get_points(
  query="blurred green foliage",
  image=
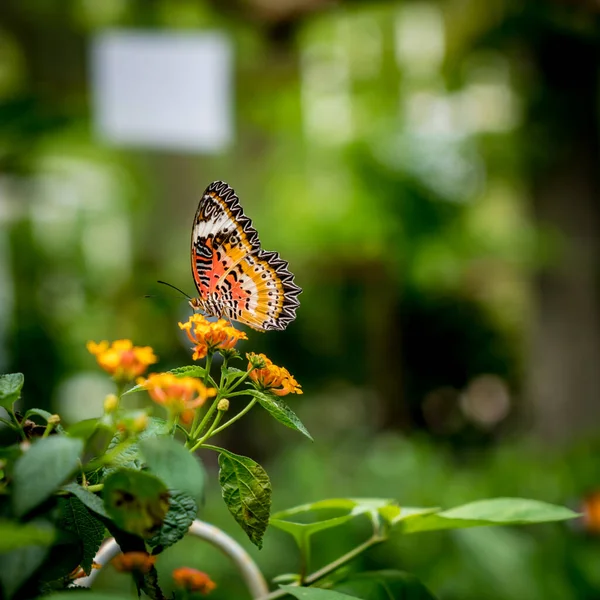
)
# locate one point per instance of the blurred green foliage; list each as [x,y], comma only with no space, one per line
[390,152]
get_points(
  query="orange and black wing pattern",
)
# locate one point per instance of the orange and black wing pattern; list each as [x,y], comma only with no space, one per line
[235,278]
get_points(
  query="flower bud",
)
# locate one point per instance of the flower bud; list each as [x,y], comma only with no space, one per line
[223,405]
[53,420]
[256,361]
[140,423]
[111,403]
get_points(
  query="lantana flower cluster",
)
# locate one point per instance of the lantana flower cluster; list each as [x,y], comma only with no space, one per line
[211,336]
[182,396]
[195,404]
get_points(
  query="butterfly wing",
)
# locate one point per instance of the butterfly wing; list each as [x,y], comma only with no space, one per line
[234,277]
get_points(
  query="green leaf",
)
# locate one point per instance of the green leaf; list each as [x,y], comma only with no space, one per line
[230,373]
[76,518]
[497,511]
[247,493]
[96,435]
[43,469]
[307,593]
[130,457]
[93,502]
[189,371]
[393,514]
[174,465]
[137,502]
[291,520]
[18,566]
[278,409]
[385,585]
[10,389]
[301,532]
[16,535]
[38,412]
[181,514]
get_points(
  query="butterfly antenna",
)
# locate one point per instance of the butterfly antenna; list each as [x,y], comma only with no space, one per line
[175,288]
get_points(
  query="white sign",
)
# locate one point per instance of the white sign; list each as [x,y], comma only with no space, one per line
[160,90]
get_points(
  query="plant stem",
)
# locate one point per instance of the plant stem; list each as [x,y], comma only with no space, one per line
[18,424]
[237,383]
[209,432]
[9,424]
[48,430]
[192,436]
[196,434]
[95,488]
[234,419]
[332,566]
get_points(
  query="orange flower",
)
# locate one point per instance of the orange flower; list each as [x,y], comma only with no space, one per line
[591,512]
[193,580]
[122,359]
[140,562]
[210,336]
[277,380]
[181,396]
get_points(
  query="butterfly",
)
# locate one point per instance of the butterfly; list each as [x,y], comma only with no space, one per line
[235,278]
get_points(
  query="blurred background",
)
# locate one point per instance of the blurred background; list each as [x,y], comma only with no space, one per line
[431,172]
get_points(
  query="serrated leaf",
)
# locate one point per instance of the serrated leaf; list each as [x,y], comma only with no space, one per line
[11,385]
[75,517]
[130,457]
[43,469]
[230,373]
[173,464]
[137,502]
[93,502]
[181,514]
[385,585]
[189,371]
[246,491]
[16,535]
[308,593]
[278,409]
[496,511]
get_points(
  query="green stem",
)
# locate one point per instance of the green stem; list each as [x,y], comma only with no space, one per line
[17,423]
[209,432]
[376,538]
[234,419]
[194,426]
[332,566]
[95,488]
[238,382]
[9,424]
[174,426]
[209,413]
[48,430]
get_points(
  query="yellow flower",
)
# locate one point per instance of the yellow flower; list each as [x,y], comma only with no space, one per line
[193,580]
[277,380]
[134,562]
[210,336]
[181,396]
[122,359]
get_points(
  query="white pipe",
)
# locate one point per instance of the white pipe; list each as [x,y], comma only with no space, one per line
[250,572]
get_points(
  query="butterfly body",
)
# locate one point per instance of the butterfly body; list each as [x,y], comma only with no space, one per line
[235,278]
